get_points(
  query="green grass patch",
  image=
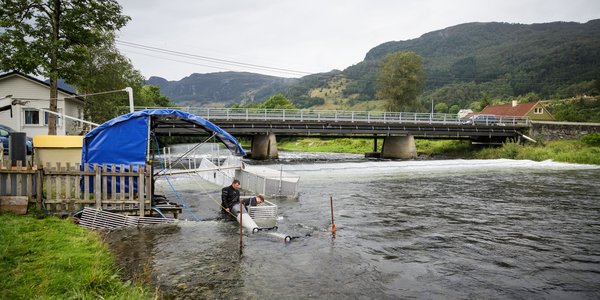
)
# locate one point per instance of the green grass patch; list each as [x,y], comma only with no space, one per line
[343,145]
[582,151]
[571,151]
[445,148]
[52,258]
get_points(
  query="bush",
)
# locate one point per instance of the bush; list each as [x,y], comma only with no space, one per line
[592,139]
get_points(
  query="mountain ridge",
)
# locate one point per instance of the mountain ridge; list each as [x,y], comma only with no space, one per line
[462,63]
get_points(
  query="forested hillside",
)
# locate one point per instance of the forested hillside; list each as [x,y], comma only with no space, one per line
[466,66]
[220,88]
[486,61]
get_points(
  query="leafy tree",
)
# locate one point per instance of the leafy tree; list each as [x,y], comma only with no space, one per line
[400,80]
[150,96]
[476,106]
[52,38]
[105,69]
[579,110]
[108,70]
[454,109]
[278,101]
[441,107]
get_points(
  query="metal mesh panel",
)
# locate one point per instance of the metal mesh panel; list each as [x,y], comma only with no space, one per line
[94,219]
[269,186]
[264,215]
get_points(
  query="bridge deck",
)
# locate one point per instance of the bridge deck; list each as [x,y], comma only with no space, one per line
[298,122]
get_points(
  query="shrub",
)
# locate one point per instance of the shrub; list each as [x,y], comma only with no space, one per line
[592,139]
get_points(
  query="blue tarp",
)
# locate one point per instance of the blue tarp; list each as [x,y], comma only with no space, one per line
[124,139]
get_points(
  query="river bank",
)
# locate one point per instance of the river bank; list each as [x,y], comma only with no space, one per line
[582,151]
[52,258]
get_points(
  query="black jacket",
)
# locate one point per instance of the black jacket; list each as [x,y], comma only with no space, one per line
[250,202]
[229,197]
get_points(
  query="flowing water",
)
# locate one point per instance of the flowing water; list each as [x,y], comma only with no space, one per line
[449,229]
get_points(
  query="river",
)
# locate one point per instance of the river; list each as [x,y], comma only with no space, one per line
[445,229]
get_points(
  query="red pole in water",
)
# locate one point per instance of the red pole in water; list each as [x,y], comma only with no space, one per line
[332,223]
[241,227]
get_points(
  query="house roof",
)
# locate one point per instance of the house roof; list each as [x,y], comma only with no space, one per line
[67,89]
[508,109]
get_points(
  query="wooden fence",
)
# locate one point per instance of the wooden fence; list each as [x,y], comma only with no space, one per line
[67,188]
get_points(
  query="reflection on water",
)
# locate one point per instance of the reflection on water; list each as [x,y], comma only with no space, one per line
[419,229]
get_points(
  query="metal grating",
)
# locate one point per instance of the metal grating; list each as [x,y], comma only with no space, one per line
[99,219]
[264,215]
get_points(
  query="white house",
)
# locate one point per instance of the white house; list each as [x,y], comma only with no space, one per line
[34,93]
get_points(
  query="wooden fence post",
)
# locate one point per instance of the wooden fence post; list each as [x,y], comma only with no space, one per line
[38,187]
[98,186]
[141,187]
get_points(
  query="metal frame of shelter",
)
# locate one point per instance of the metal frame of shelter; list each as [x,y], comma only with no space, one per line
[125,142]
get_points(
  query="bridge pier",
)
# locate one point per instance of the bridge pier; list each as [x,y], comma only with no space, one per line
[264,146]
[402,147]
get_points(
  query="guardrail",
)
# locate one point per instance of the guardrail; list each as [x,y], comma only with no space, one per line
[307,115]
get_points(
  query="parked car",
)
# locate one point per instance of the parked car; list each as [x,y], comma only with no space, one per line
[5,132]
[482,120]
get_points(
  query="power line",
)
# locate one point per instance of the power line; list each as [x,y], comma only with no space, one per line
[209,59]
[180,61]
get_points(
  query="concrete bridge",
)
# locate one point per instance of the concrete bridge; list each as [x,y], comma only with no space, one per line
[397,129]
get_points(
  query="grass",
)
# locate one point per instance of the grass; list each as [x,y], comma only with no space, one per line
[52,258]
[571,151]
[344,145]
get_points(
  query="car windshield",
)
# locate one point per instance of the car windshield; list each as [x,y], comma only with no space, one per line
[3,127]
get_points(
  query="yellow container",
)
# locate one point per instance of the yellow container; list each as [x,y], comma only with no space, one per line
[57,148]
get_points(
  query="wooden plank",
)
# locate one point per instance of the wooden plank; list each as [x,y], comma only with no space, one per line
[58,182]
[16,204]
[97,186]
[39,189]
[104,182]
[86,183]
[122,183]
[29,184]
[141,188]
[131,181]
[113,183]
[77,183]
[19,179]
[8,182]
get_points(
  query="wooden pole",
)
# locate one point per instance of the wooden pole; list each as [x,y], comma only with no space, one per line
[241,227]
[332,223]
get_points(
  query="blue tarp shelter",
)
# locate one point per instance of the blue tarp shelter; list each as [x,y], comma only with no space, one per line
[126,139]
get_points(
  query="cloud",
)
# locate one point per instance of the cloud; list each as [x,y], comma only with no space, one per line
[308,36]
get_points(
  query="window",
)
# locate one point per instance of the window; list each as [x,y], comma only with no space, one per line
[538,110]
[32,117]
[58,118]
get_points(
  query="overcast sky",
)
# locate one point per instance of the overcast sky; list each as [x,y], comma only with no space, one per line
[293,38]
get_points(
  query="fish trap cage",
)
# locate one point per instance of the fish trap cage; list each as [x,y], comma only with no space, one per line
[264,215]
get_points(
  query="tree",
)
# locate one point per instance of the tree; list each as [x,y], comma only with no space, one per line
[52,38]
[150,96]
[278,101]
[454,109]
[400,80]
[105,69]
[441,107]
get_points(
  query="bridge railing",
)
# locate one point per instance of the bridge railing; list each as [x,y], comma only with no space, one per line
[262,114]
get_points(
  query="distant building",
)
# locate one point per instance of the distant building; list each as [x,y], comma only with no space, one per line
[463,113]
[35,94]
[534,110]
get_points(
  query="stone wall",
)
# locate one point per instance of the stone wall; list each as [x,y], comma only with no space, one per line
[550,131]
